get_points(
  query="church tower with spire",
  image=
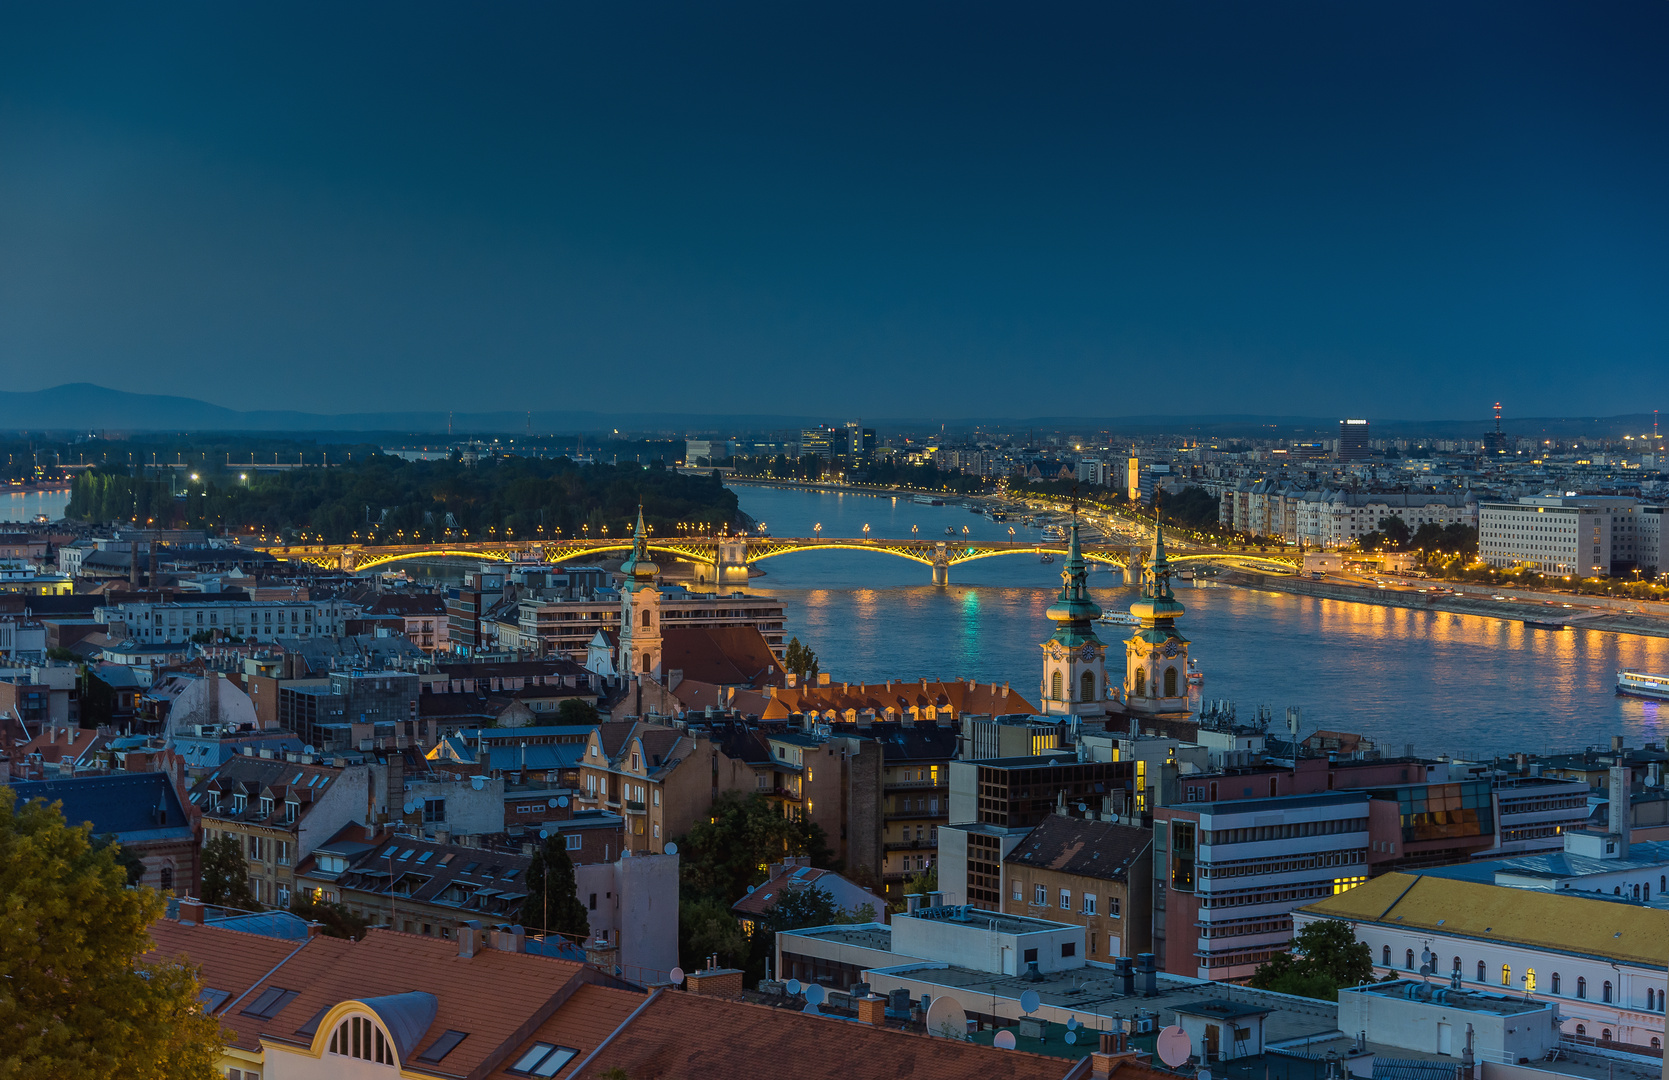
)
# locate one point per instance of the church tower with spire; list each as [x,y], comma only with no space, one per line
[640,610]
[1156,655]
[1074,659]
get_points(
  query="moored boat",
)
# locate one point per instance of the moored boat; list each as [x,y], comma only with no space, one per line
[1643,684]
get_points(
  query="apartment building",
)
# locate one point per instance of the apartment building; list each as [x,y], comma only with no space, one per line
[1332,518]
[1087,872]
[178,621]
[1228,875]
[279,810]
[565,627]
[995,803]
[1582,535]
[660,779]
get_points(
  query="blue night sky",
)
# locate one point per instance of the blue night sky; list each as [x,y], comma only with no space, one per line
[950,210]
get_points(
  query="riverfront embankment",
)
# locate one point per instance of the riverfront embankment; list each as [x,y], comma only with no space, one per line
[1646,618]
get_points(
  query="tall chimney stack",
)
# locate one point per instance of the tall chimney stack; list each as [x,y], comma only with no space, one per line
[1618,810]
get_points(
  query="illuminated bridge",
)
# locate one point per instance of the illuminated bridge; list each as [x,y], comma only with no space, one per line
[725,560]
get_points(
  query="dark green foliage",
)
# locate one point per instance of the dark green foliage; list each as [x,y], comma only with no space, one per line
[577,711]
[126,859]
[385,499]
[1451,539]
[800,660]
[336,919]
[1194,508]
[226,875]
[553,905]
[1325,956]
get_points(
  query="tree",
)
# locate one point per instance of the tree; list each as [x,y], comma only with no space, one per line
[130,863]
[226,875]
[553,904]
[1325,955]
[922,881]
[79,998]
[1395,530]
[337,920]
[801,661]
[795,909]
[577,711]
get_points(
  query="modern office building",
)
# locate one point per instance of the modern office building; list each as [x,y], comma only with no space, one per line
[1353,441]
[1581,535]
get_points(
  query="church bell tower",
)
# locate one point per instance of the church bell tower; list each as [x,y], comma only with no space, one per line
[640,610]
[1074,659]
[1156,655]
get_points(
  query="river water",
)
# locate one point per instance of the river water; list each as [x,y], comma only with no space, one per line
[24,505]
[1461,684]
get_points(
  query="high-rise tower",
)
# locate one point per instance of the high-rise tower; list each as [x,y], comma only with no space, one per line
[1074,659]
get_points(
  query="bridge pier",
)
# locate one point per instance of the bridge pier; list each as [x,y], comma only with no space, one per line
[941,565]
[732,566]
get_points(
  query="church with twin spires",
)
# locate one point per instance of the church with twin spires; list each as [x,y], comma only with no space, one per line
[1075,659]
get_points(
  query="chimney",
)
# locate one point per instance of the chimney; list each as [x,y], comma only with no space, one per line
[1619,810]
[1150,979]
[1616,744]
[191,912]
[510,939]
[1114,1046]
[912,903]
[723,982]
[1125,975]
[872,1010]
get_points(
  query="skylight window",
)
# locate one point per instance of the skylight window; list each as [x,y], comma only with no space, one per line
[213,999]
[543,1060]
[406,854]
[443,1046]
[271,1002]
[423,858]
[389,854]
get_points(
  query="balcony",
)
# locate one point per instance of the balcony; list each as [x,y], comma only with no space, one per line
[635,807]
[911,845]
[912,815]
[917,785]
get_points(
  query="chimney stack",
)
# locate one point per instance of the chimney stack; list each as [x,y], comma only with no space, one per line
[191,912]
[1126,977]
[872,1010]
[1618,811]
[469,932]
[1150,979]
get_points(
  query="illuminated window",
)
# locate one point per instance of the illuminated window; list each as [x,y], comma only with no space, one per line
[1530,980]
[1345,884]
[1506,974]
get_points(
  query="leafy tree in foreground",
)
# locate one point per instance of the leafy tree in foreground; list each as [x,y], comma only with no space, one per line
[1325,956]
[553,903]
[577,711]
[226,875]
[130,863]
[337,920]
[801,661]
[78,998]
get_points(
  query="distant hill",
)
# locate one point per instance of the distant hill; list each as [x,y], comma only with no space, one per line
[89,407]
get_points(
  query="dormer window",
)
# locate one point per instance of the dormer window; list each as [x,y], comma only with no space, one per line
[290,811]
[238,803]
[266,807]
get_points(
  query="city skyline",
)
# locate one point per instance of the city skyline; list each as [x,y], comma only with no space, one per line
[1178,210]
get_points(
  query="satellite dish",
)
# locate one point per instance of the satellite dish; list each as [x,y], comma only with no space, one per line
[1174,1046]
[811,1007]
[479,783]
[411,808]
[751,888]
[1082,807]
[1072,1023]
[550,802]
[308,749]
[1029,1001]
[793,986]
[671,848]
[1004,1040]
[562,800]
[816,994]
[946,1019]
[677,975]
[1203,1074]
[1070,1037]
[544,835]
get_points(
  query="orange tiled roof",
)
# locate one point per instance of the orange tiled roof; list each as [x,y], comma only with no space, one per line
[959,696]
[693,1037]
[587,1018]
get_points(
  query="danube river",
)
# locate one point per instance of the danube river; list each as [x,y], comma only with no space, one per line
[24,505]
[1444,683]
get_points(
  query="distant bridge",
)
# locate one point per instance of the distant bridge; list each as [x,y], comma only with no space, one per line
[725,560]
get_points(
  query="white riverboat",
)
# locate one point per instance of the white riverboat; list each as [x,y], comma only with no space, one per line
[1640,684]
[1119,618]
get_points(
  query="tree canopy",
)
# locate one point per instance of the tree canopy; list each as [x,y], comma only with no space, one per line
[79,999]
[553,904]
[1325,956]
[800,660]
[226,875]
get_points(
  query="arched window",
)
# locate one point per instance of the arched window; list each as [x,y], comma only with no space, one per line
[1581,1029]
[167,878]
[1605,994]
[1086,687]
[1386,956]
[646,665]
[1170,682]
[1555,984]
[1055,686]
[1408,961]
[1457,967]
[1604,1034]
[1656,1043]
[1141,682]
[1480,971]
[645,620]
[1651,999]
[359,1037]
[1529,980]
[1581,987]
[1506,974]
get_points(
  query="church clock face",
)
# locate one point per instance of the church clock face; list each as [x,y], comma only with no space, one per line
[1172,650]
[1087,654]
